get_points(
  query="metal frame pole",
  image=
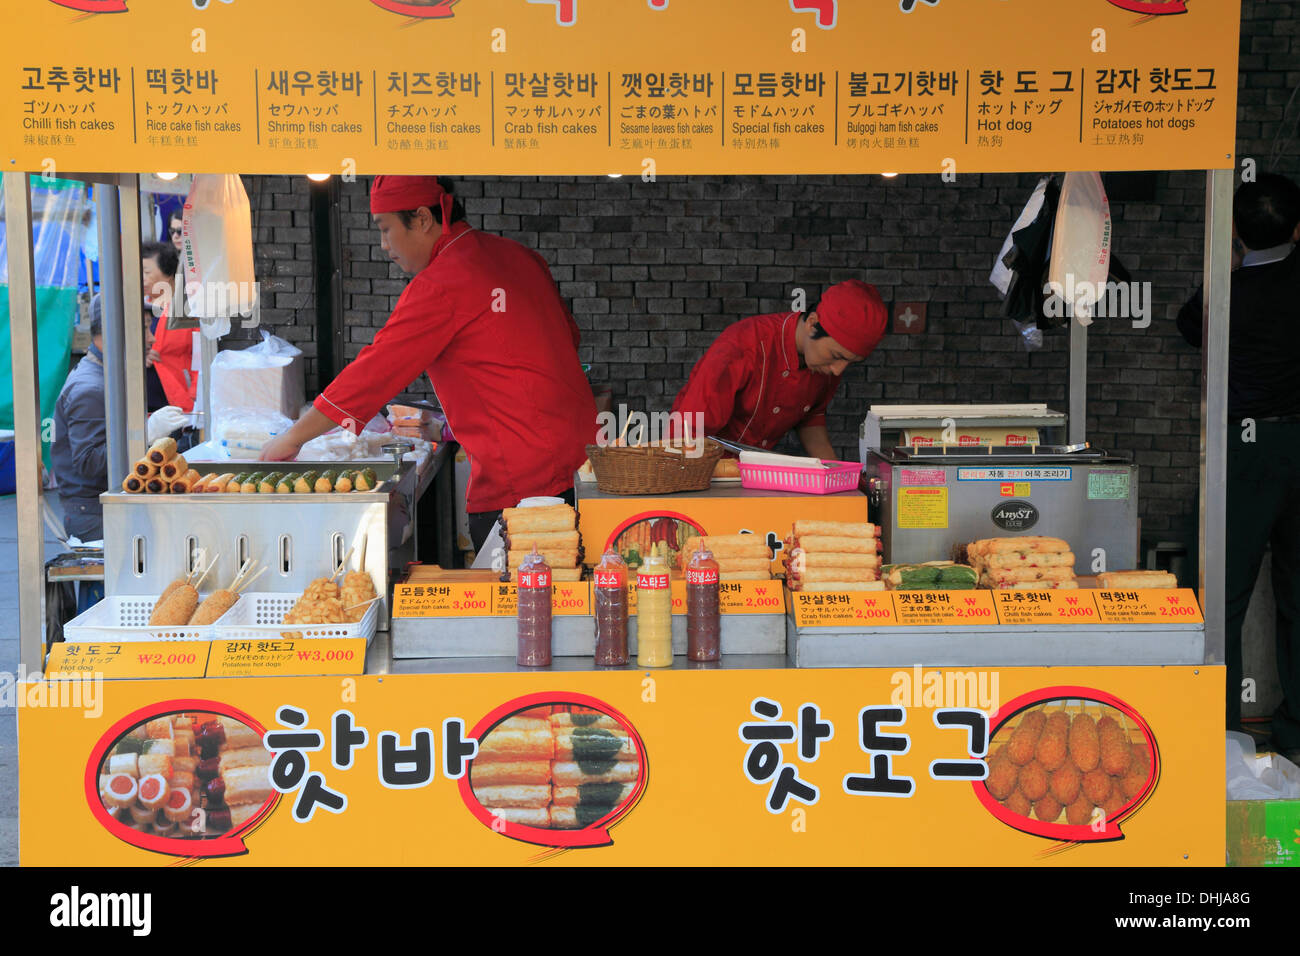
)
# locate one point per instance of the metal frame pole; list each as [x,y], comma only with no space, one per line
[1214,409]
[1077,426]
[128,194]
[27,419]
[110,268]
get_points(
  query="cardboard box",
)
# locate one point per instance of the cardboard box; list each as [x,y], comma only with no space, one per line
[1264,832]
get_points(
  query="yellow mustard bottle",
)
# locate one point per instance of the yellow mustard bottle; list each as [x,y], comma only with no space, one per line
[654,612]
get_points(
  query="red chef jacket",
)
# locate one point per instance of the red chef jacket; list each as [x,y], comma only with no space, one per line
[486,322]
[749,384]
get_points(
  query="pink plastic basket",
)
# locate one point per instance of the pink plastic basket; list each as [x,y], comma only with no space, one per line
[840,476]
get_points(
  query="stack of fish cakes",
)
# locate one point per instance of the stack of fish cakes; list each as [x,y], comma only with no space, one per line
[1027,562]
[740,557]
[558,767]
[833,556]
[553,531]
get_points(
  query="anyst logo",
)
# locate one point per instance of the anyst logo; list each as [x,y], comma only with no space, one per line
[424,9]
[1015,516]
[1152,8]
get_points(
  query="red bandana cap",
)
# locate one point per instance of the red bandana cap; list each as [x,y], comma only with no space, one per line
[400,193]
[853,314]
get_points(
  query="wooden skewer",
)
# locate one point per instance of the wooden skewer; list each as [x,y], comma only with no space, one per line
[362,604]
[243,585]
[361,562]
[342,564]
[243,570]
[211,564]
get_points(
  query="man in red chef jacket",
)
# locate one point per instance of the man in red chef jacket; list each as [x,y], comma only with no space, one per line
[770,373]
[483,317]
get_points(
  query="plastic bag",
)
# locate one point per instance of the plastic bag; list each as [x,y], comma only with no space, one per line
[261,377]
[218,253]
[1080,260]
[1251,778]
[244,432]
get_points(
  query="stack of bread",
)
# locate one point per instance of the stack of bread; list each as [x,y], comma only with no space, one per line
[1026,562]
[162,471]
[553,531]
[833,556]
[740,557]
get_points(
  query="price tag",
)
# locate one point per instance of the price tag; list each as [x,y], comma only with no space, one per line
[459,599]
[751,597]
[286,657]
[843,609]
[137,659]
[568,599]
[1049,606]
[1148,606]
[944,608]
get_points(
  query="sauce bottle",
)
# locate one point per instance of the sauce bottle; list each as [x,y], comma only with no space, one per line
[703,617]
[611,610]
[654,611]
[534,612]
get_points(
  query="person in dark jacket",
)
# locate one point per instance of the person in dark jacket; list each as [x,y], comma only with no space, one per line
[1263,494]
[80,452]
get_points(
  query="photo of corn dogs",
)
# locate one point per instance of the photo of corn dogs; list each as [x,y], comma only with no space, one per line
[188,776]
[1067,761]
[556,767]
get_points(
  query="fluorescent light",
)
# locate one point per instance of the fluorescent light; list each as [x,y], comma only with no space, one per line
[889,175]
[614,175]
[166,177]
[318,177]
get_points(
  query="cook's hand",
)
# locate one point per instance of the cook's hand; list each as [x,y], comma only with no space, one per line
[150,358]
[281,448]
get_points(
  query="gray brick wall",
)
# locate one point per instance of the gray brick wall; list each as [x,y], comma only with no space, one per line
[654,271]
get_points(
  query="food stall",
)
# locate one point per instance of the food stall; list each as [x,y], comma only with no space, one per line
[211,747]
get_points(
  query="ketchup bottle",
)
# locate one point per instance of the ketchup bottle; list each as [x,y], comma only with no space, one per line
[703,617]
[611,610]
[534,612]
[654,612]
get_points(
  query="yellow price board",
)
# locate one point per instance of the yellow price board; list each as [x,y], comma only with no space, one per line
[843,609]
[751,597]
[1048,606]
[135,659]
[568,599]
[453,599]
[285,657]
[1148,606]
[944,608]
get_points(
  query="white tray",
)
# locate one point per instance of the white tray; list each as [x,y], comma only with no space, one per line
[125,617]
[259,616]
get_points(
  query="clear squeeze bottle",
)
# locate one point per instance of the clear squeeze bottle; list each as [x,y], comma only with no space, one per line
[611,610]
[534,612]
[703,618]
[654,611]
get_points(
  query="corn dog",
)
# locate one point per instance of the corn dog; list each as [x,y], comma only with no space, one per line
[217,604]
[163,450]
[218,484]
[186,482]
[177,609]
[202,483]
[178,583]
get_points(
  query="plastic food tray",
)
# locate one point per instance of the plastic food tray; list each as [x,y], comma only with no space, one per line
[259,617]
[840,476]
[125,617]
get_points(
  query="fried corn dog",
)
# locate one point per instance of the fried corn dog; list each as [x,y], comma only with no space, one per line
[164,449]
[177,609]
[1024,739]
[217,604]
[1085,746]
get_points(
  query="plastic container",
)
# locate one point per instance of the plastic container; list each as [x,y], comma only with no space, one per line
[125,618]
[839,476]
[610,592]
[654,612]
[703,613]
[533,612]
[259,617]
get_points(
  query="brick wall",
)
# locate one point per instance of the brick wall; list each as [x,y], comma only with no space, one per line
[654,271]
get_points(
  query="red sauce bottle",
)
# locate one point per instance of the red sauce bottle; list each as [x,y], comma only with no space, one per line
[534,612]
[611,610]
[703,616]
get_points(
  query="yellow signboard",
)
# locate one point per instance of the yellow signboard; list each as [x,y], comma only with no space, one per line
[152,659]
[1049,606]
[800,767]
[1148,606]
[862,609]
[287,658]
[624,86]
[442,599]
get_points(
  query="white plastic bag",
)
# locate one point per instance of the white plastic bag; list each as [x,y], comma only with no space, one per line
[1080,259]
[243,433]
[218,253]
[266,376]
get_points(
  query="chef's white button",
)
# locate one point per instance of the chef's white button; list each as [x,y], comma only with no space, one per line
[785,374]
[777,410]
[807,408]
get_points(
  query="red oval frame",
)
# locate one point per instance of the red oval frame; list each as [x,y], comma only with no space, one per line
[229,844]
[94,6]
[647,516]
[595,833]
[1064,832]
[441,11]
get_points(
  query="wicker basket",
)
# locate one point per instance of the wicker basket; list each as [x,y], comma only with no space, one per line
[651,470]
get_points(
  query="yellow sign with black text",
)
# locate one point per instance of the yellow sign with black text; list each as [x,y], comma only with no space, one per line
[560,87]
[758,767]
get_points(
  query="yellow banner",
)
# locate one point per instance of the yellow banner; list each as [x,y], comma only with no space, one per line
[867,766]
[625,86]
